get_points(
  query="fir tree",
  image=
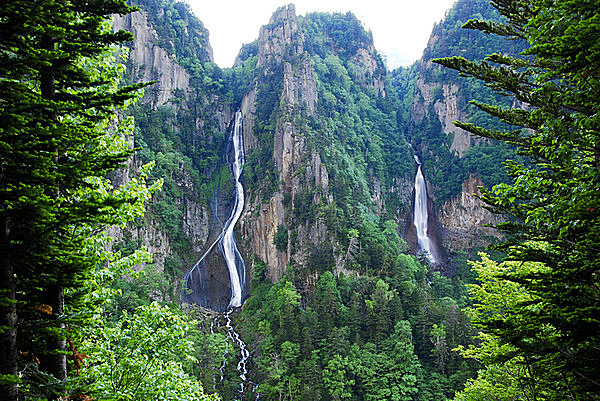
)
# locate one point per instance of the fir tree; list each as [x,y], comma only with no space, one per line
[58,94]
[553,207]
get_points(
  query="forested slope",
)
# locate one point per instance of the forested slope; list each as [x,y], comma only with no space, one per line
[328,176]
[339,303]
[329,137]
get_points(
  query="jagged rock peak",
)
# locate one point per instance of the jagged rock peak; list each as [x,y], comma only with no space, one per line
[281,38]
[284,13]
[150,61]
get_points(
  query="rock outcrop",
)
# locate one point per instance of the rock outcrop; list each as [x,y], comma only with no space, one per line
[281,39]
[369,70]
[444,98]
[150,61]
[300,168]
[463,219]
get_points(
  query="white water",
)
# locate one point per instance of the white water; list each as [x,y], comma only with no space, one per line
[226,238]
[420,215]
[233,256]
[244,353]
[228,243]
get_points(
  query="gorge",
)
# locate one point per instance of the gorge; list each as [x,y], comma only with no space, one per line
[308,224]
[197,281]
[310,253]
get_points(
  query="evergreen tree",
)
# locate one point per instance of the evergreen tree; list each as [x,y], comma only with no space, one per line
[58,93]
[553,207]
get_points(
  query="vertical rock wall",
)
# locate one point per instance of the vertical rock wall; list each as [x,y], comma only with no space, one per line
[150,62]
[463,219]
[299,167]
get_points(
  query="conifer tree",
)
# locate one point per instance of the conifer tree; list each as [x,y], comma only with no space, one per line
[553,206]
[56,103]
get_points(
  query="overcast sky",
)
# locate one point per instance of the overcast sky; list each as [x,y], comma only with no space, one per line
[400,28]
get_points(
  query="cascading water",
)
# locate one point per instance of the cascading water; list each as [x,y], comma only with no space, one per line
[235,263]
[226,239]
[244,353]
[420,215]
[232,255]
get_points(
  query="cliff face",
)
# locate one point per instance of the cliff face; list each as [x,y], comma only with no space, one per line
[441,100]
[369,71]
[177,222]
[455,161]
[281,44]
[463,219]
[150,62]
[440,95]
[306,75]
[326,154]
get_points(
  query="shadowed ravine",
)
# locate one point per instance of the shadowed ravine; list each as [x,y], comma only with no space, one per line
[204,282]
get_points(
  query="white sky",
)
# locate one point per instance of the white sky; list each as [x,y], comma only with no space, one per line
[400,28]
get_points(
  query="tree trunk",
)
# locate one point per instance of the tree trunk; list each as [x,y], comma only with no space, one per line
[8,318]
[56,360]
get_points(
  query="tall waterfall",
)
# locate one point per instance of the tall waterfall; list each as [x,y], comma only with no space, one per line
[195,277]
[235,262]
[420,215]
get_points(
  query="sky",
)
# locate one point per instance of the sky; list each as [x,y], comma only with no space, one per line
[400,28]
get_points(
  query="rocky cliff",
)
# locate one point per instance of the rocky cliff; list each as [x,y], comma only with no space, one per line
[177,224]
[463,219]
[456,162]
[441,100]
[302,81]
[329,171]
[150,62]
[280,44]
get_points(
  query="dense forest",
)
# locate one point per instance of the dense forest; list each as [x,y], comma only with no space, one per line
[117,175]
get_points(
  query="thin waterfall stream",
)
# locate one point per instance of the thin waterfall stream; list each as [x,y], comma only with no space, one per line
[230,250]
[421,216]
[235,263]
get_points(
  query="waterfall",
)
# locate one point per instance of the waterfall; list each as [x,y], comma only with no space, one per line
[226,239]
[420,215]
[235,263]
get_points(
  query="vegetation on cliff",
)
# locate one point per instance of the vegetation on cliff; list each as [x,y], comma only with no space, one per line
[437,95]
[385,328]
[61,138]
[342,312]
[59,92]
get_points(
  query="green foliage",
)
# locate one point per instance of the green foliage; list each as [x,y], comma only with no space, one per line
[280,240]
[506,372]
[58,97]
[342,32]
[403,80]
[356,338]
[139,357]
[240,79]
[553,203]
